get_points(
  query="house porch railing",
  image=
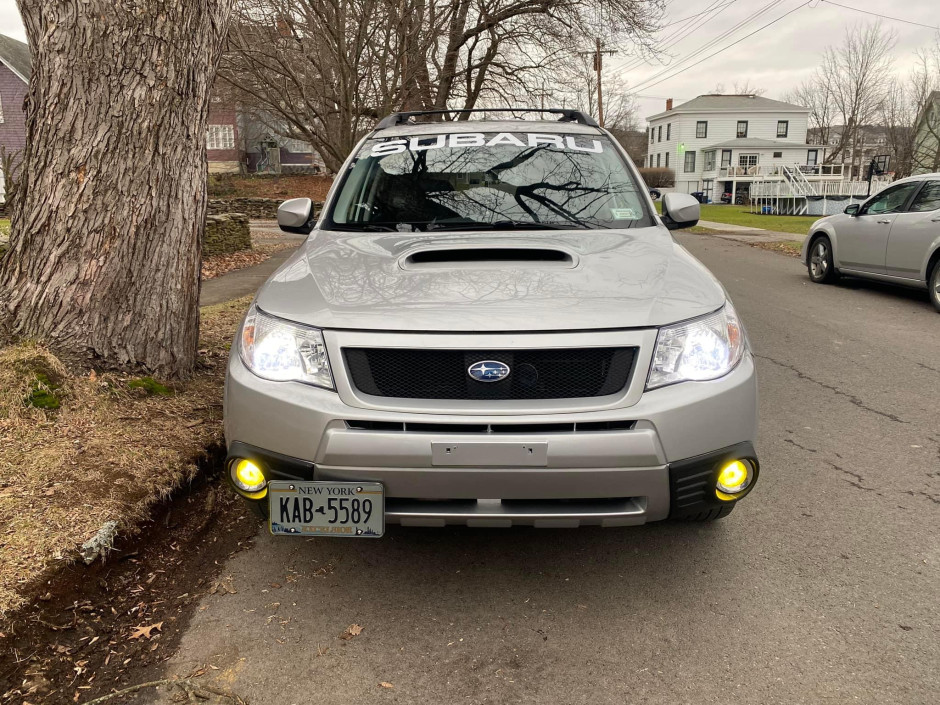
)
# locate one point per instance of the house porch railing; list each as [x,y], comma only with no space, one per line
[810,171]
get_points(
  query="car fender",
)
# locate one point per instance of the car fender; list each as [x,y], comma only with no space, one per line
[932,250]
[820,226]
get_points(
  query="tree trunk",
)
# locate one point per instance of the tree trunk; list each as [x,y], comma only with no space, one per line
[105,242]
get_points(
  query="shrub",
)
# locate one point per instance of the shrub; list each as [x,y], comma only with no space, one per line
[658,177]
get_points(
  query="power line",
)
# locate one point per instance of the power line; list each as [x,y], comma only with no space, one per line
[713,42]
[678,34]
[884,17]
[646,84]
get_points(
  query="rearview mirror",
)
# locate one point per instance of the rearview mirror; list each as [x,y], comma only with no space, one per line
[680,210]
[852,209]
[296,216]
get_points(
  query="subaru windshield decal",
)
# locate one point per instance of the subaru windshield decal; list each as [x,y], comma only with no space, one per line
[488,371]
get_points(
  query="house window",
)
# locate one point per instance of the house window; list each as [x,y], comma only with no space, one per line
[778,155]
[658,157]
[783,128]
[811,156]
[667,160]
[659,134]
[701,129]
[669,132]
[220,137]
[298,146]
[747,160]
[1,111]
[689,162]
[742,129]
[709,160]
[652,134]
[725,157]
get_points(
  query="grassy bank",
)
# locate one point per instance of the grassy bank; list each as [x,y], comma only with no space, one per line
[739,215]
[80,449]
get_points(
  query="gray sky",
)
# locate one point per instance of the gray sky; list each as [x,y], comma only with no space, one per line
[776,58]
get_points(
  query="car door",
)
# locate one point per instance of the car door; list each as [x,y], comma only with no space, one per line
[862,240]
[914,231]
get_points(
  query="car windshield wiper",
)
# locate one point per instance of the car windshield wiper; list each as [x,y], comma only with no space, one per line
[505,225]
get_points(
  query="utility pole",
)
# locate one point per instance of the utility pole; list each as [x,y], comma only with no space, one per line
[598,54]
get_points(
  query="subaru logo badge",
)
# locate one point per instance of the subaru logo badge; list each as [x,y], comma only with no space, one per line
[488,371]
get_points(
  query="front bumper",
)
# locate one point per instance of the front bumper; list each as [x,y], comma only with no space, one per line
[625,463]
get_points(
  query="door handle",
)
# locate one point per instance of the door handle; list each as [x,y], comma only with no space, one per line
[885,222]
[935,220]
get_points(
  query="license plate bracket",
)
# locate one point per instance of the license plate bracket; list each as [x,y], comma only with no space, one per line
[343,509]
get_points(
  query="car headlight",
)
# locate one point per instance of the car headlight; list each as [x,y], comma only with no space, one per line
[284,352]
[702,349]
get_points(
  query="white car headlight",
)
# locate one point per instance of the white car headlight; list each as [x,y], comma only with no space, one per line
[284,352]
[702,349]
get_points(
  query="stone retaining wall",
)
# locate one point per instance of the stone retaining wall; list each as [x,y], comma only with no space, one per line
[226,233]
[254,208]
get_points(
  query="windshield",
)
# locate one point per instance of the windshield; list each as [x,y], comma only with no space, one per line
[481,180]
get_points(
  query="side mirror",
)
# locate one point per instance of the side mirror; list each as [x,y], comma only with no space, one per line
[296,216]
[680,210]
[852,209]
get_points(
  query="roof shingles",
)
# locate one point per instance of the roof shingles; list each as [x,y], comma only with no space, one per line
[15,54]
[730,103]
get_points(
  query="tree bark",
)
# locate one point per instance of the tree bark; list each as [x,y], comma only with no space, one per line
[105,242]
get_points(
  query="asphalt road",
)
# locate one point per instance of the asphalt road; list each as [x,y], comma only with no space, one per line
[822,587]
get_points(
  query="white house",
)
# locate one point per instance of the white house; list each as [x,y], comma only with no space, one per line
[725,143]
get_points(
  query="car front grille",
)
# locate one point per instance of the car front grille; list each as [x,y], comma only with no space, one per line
[562,373]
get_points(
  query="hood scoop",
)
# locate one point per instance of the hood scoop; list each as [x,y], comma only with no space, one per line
[486,256]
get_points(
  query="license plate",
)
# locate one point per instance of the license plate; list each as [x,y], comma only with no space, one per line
[352,509]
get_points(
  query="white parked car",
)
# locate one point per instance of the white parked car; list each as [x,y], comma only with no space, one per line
[894,236]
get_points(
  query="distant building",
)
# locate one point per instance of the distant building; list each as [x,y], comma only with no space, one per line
[15,70]
[926,158]
[872,142]
[721,144]
[234,141]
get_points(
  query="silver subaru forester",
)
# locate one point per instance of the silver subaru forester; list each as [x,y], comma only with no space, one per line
[489,325]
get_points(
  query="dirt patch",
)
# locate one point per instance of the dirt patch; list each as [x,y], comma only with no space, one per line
[312,186]
[100,628]
[784,248]
[85,454]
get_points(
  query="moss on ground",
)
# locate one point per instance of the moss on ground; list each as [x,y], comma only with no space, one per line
[150,386]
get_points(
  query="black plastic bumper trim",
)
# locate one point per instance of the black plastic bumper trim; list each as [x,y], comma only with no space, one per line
[274,465]
[692,481]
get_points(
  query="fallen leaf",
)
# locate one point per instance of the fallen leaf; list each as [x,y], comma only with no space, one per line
[385,684]
[351,631]
[145,631]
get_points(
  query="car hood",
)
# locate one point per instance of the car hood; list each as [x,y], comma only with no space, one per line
[551,280]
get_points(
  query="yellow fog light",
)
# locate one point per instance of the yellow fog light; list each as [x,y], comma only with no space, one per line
[733,479]
[248,478]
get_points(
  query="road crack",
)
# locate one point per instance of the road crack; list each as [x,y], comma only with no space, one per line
[835,390]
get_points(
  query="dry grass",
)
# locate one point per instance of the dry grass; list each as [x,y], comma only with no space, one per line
[217,265]
[108,452]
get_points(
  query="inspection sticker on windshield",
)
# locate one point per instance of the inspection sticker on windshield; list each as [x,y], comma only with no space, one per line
[623,214]
[350,509]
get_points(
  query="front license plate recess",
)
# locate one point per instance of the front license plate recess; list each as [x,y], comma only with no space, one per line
[490,454]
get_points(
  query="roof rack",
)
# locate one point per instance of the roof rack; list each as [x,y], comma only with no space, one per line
[567,115]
